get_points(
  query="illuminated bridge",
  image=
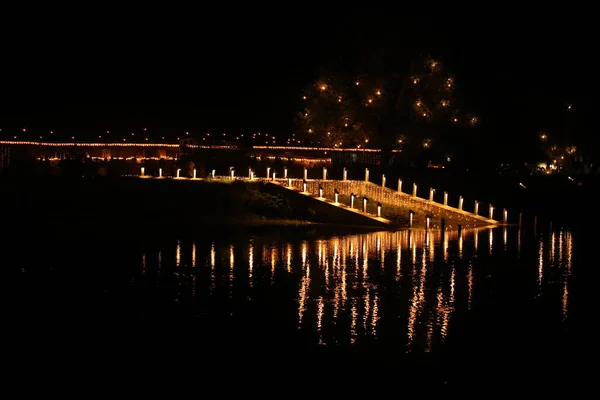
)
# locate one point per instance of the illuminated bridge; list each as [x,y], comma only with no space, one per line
[126,150]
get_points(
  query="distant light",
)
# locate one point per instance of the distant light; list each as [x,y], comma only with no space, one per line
[378,93]
[51,131]
[24,130]
[145,129]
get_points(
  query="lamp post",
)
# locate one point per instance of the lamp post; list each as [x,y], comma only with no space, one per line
[336,193]
[305,173]
[379,209]
[324,173]
[460,203]
[431,192]
[366,174]
[352,196]
[399,185]
[414,190]
[445,198]
[383,180]
[345,174]
[178,172]
[491,212]
[268,172]
[365,200]
[476,208]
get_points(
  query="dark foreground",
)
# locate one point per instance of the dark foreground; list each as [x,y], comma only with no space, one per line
[346,311]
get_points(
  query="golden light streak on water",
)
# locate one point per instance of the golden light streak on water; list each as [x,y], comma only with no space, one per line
[560,247]
[366,306]
[552,248]
[540,264]
[375,315]
[213,273]
[250,263]
[470,286]
[193,254]
[320,308]
[304,254]
[445,246]
[274,257]
[460,246]
[505,237]
[491,239]
[476,240]
[399,261]
[288,259]
[178,254]
[569,251]
[353,322]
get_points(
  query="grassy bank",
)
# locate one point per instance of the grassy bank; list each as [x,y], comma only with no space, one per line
[131,206]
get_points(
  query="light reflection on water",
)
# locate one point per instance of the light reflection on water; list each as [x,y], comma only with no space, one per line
[406,286]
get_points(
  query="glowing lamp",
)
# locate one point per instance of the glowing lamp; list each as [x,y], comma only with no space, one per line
[232,173]
[379,209]
[335,196]
[476,212]
[345,174]
[505,216]
[431,192]
[445,198]
[285,173]
[304,187]
[365,201]
[195,173]
[321,192]
[268,172]
[383,180]
[289,182]
[178,172]
[160,172]
[366,174]
[212,173]
[274,175]
[352,196]
[399,185]
[142,171]
[305,174]
[491,212]
[427,222]
[410,218]
[460,203]
[414,190]
[324,173]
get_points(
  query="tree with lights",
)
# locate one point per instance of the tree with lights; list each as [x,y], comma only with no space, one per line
[391,110]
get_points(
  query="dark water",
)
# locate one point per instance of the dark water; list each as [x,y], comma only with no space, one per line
[430,306]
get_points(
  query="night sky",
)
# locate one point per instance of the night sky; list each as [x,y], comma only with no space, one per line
[85,71]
